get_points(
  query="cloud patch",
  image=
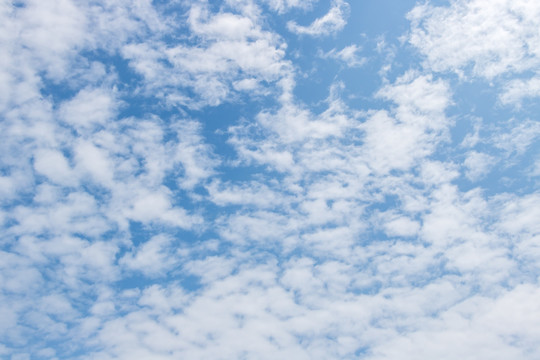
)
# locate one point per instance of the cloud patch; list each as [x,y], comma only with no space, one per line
[331,23]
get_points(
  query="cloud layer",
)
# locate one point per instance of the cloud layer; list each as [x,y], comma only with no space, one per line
[184,180]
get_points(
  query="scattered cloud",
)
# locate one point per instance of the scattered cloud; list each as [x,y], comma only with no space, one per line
[347,55]
[187,180]
[282,6]
[518,90]
[331,23]
[517,136]
[477,165]
[235,53]
[476,38]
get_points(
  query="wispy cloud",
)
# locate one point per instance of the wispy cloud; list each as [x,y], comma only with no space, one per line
[330,23]
[348,55]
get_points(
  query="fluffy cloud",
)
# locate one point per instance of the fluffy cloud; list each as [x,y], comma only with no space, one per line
[494,38]
[477,165]
[234,53]
[476,38]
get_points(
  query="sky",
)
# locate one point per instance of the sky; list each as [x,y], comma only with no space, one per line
[271,179]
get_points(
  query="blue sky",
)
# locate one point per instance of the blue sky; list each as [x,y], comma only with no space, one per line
[273,179]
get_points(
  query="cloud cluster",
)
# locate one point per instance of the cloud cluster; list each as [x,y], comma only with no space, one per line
[478,38]
[233,54]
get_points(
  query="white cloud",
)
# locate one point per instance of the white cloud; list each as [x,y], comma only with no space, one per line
[234,49]
[330,23]
[482,326]
[95,162]
[225,26]
[54,165]
[517,90]
[153,257]
[89,108]
[348,55]
[478,165]
[246,84]
[419,123]
[492,38]
[518,215]
[211,268]
[75,212]
[155,206]
[472,139]
[53,31]
[517,136]
[253,193]
[282,6]
[448,219]
[196,157]
[437,172]
[400,226]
